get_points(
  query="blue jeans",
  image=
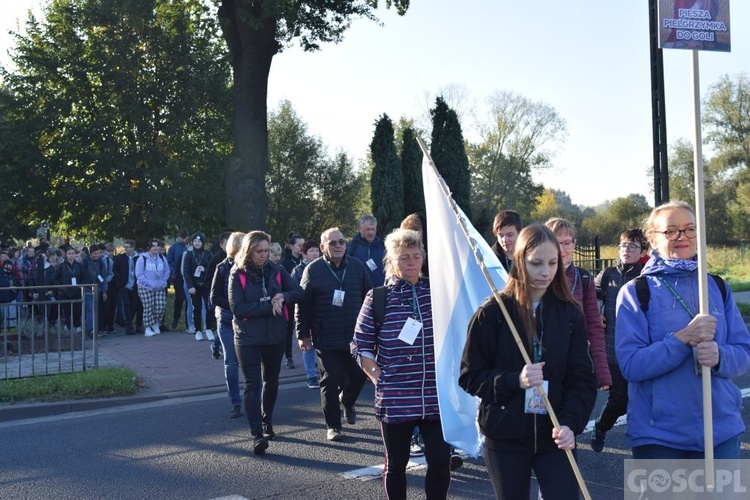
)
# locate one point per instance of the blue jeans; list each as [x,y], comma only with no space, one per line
[231,365]
[309,359]
[189,321]
[729,449]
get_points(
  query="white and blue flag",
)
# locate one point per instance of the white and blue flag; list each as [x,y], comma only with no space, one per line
[458,289]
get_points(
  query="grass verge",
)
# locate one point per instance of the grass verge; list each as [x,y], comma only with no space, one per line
[104,382]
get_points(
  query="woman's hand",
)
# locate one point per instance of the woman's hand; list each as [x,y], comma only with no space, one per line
[277,302]
[531,376]
[564,438]
[700,329]
[708,354]
[191,291]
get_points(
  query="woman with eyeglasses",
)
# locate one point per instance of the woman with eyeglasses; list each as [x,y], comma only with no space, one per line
[583,290]
[662,341]
[397,352]
[632,247]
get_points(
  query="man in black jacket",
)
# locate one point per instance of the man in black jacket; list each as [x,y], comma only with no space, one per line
[334,289]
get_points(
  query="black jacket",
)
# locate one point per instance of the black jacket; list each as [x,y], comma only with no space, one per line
[608,284]
[288,261]
[492,363]
[190,262]
[254,322]
[502,256]
[220,290]
[331,327]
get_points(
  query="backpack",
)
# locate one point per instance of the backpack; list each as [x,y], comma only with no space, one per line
[243,283]
[379,299]
[643,292]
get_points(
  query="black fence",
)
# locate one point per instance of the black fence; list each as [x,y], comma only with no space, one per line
[588,256]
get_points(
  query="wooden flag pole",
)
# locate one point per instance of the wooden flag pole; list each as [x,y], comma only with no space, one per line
[700,216]
[496,295]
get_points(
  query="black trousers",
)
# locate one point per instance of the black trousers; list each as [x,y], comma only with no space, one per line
[260,366]
[617,400]
[200,297]
[397,441]
[510,471]
[133,308]
[290,339]
[339,373]
[179,298]
[110,306]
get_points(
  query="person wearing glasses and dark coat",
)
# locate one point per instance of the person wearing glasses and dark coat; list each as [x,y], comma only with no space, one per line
[334,290]
[662,349]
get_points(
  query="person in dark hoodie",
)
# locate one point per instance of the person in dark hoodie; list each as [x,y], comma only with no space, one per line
[260,295]
[195,273]
[291,257]
[519,436]
[506,226]
[633,246]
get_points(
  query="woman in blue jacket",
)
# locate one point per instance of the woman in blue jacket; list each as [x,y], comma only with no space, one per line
[260,295]
[661,349]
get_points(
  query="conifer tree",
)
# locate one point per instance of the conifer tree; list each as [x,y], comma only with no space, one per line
[387,183]
[448,153]
[411,166]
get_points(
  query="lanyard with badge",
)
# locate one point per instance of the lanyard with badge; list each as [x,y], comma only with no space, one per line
[265,297]
[338,295]
[413,325]
[696,365]
[534,400]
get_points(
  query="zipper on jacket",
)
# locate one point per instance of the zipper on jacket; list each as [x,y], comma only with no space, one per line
[588,353]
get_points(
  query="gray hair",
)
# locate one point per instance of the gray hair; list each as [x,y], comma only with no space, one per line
[324,234]
[367,218]
[399,238]
[649,224]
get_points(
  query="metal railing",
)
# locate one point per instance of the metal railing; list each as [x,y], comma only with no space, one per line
[44,335]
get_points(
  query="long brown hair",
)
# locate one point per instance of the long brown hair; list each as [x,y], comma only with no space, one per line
[249,242]
[517,287]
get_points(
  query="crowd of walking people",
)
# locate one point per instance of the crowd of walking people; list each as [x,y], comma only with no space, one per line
[361,309]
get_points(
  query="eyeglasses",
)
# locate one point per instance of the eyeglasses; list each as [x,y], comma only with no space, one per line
[674,234]
[333,243]
[631,247]
[567,244]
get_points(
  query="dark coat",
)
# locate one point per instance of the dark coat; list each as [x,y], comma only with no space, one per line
[190,262]
[220,290]
[491,365]
[331,327]
[254,322]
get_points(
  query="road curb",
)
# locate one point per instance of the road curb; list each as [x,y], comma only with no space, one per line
[22,411]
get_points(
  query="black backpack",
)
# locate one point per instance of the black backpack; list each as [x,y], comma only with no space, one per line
[643,292]
[379,299]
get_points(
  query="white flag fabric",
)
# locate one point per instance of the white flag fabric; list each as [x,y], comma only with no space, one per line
[458,289]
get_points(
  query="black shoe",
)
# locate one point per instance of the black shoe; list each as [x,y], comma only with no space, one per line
[597,440]
[289,363]
[216,351]
[268,432]
[350,414]
[129,332]
[164,328]
[456,460]
[260,445]
[236,412]
[174,326]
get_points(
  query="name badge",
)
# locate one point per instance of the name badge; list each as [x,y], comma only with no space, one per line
[99,277]
[371,264]
[338,298]
[198,271]
[265,299]
[73,281]
[410,331]
[534,399]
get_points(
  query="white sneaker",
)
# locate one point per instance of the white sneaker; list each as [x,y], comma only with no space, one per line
[149,332]
[190,330]
[209,334]
[199,335]
[156,329]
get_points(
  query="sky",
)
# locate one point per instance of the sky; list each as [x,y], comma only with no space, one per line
[589,59]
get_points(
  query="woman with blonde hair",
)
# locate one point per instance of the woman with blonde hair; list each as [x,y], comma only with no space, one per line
[220,298]
[260,294]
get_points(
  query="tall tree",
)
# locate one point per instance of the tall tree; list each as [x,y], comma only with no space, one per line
[307,191]
[727,116]
[411,166]
[387,183]
[448,152]
[255,31]
[517,137]
[119,100]
[617,216]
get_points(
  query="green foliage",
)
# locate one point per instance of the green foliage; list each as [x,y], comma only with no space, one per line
[387,183]
[448,152]
[308,192]
[617,216]
[121,116]
[411,166]
[727,117]
[101,383]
